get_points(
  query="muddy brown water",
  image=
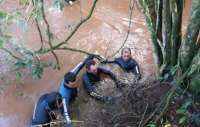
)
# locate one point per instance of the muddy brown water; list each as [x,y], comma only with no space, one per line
[102,34]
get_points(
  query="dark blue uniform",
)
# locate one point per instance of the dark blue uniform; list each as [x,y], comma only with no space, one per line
[128,66]
[45,104]
[90,79]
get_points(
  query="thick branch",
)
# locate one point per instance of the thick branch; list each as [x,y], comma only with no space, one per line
[177,9]
[146,8]
[166,31]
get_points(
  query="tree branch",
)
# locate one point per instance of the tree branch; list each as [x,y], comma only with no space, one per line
[11,53]
[49,34]
[100,58]
[40,34]
[131,4]
[73,32]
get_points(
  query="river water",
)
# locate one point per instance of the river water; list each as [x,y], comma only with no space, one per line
[103,34]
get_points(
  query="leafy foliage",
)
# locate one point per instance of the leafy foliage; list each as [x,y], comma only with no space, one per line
[183,112]
[58,4]
[22,24]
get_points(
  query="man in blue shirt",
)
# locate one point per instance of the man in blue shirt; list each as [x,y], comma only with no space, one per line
[68,88]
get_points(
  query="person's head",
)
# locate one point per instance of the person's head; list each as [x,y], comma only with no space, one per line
[70,79]
[54,100]
[91,66]
[126,54]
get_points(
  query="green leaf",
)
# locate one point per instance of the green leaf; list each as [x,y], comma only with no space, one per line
[151,125]
[37,71]
[174,69]
[1,43]
[186,104]
[58,4]
[22,24]
[3,15]
[50,34]
[23,2]
[18,75]
[182,120]
[181,111]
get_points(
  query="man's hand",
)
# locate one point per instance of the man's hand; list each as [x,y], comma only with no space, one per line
[90,57]
[138,76]
[52,115]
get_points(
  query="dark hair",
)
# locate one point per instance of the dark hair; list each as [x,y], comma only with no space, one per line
[69,77]
[125,49]
[89,63]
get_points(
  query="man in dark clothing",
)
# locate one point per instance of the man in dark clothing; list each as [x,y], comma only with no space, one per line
[127,63]
[68,88]
[43,109]
[92,76]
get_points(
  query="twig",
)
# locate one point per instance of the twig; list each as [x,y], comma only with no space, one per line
[100,58]
[144,114]
[57,122]
[128,32]
[49,36]
[40,34]
[10,53]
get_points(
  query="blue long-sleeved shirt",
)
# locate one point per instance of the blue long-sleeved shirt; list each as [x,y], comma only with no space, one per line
[70,93]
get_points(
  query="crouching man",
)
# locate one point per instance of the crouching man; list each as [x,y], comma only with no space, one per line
[43,111]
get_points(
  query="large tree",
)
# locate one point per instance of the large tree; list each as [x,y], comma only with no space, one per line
[175,53]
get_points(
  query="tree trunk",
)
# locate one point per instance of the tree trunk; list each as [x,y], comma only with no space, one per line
[189,46]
